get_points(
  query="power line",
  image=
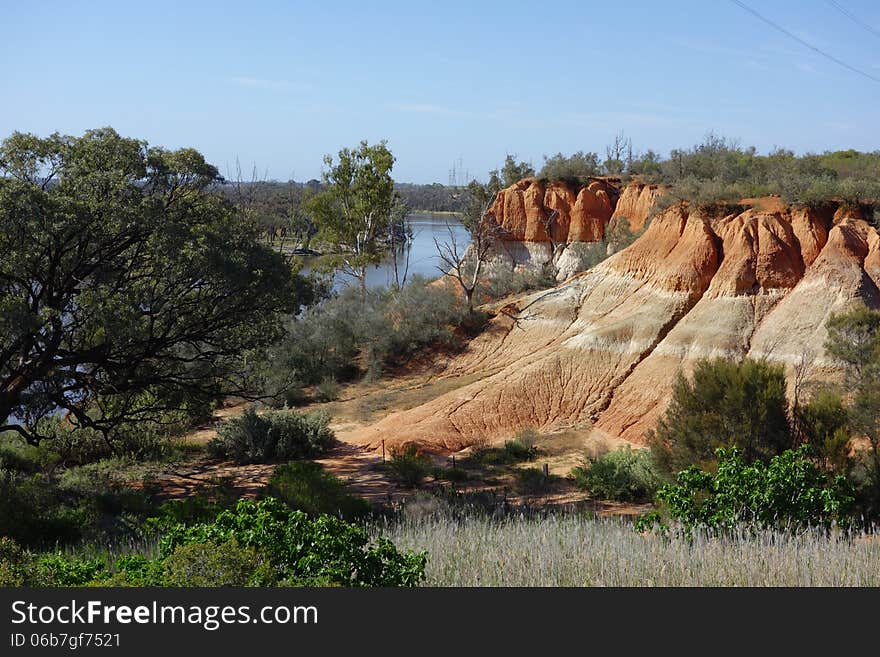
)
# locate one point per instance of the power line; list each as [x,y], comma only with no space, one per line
[853,18]
[804,43]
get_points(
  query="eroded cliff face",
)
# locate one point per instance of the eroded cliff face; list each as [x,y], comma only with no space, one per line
[540,220]
[523,209]
[601,351]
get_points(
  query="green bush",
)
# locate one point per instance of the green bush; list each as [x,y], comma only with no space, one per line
[203,504]
[327,390]
[408,466]
[588,254]
[454,475]
[625,475]
[532,481]
[306,486]
[823,423]
[34,512]
[789,492]
[357,333]
[17,565]
[61,570]
[303,551]
[504,282]
[272,436]
[724,404]
[217,564]
[522,447]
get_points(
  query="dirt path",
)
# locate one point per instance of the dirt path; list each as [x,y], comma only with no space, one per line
[363,404]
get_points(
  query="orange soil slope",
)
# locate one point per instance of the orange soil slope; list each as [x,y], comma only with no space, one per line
[601,350]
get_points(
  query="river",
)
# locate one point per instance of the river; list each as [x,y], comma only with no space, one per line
[423,256]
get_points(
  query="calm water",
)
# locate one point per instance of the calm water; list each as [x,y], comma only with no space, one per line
[423,258]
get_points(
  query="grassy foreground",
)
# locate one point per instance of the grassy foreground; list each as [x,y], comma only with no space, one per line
[578,550]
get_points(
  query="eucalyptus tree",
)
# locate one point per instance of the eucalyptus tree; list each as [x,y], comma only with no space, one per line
[356,209]
[128,290]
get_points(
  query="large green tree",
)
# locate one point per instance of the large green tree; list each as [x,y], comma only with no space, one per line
[127,288]
[854,340]
[357,207]
[724,404]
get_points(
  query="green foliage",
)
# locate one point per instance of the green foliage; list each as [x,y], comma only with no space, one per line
[272,436]
[365,332]
[512,171]
[327,390]
[789,492]
[153,287]
[504,282]
[517,450]
[454,475]
[307,487]
[255,544]
[305,551]
[522,447]
[625,475]
[136,570]
[724,404]
[204,503]
[17,565]
[217,564]
[618,236]
[532,481]
[719,170]
[854,341]
[588,254]
[355,210]
[408,466]
[62,570]
[823,423]
[578,167]
[34,512]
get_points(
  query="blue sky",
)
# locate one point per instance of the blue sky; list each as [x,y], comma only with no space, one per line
[279,84]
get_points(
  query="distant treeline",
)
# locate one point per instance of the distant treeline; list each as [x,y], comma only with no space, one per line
[716,171]
[278,196]
[720,170]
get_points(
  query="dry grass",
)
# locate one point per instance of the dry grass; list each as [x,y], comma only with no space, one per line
[577,550]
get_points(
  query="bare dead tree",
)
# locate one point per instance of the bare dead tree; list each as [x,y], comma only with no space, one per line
[801,371]
[556,247]
[618,153]
[465,267]
[400,251]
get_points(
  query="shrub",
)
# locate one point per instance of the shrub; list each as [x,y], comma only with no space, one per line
[588,254]
[724,404]
[788,493]
[504,282]
[217,564]
[17,565]
[823,423]
[357,332]
[305,551]
[532,481]
[454,475]
[577,168]
[204,504]
[306,486]
[408,466]
[61,570]
[522,447]
[136,570]
[625,475]
[328,390]
[272,436]
[34,512]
